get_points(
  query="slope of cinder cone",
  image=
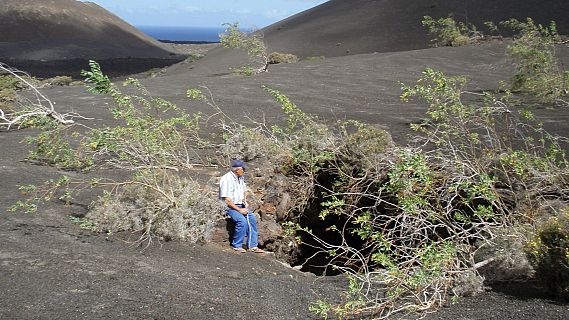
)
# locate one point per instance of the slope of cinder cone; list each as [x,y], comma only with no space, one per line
[67,29]
[342,27]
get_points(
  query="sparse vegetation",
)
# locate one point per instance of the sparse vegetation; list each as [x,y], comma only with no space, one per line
[8,87]
[193,57]
[245,71]
[277,57]
[9,84]
[251,42]
[155,72]
[83,223]
[533,51]
[549,253]
[411,227]
[52,146]
[58,81]
[154,141]
[449,32]
[17,111]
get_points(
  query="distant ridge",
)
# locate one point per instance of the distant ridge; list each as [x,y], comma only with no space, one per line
[68,29]
[342,27]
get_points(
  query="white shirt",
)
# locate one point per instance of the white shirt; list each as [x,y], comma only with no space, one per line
[232,187]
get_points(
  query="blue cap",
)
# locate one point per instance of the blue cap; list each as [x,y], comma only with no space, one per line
[238,163]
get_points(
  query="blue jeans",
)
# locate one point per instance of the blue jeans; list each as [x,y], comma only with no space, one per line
[245,226]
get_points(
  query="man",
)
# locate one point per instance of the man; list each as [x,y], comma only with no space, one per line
[232,192]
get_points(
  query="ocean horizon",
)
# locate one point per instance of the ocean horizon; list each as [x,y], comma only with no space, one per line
[197,34]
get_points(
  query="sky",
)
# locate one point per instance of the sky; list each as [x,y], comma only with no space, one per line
[205,13]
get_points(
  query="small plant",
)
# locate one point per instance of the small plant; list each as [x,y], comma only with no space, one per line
[549,254]
[60,189]
[277,57]
[8,87]
[251,42]
[320,308]
[448,32]
[58,81]
[493,29]
[83,223]
[296,118]
[9,84]
[155,72]
[52,147]
[533,52]
[245,71]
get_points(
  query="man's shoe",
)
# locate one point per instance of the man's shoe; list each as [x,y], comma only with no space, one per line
[257,250]
[240,250]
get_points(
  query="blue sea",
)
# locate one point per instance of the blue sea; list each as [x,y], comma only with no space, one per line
[197,34]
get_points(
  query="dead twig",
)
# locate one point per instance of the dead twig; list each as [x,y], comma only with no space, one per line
[42,106]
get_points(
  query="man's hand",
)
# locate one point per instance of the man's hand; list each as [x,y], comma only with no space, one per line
[243,211]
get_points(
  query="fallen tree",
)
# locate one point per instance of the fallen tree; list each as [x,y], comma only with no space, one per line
[153,144]
[23,108]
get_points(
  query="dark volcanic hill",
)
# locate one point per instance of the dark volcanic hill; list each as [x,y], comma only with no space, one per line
[65,29]
[341,27]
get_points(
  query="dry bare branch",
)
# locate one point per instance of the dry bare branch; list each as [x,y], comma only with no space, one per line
[42,106]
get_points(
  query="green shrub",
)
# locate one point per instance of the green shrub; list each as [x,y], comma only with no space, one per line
[533,52]
[10,82]
[58,81]
[53,147]
[151,132]
[366,142]
[448,32]
[155,72]
[251,42]
[152,140]
[248,144]
[310,141]
[277,57]
[8,87]
[420,214]
[245,71]
[159,204]
[296,118]
[549,254]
